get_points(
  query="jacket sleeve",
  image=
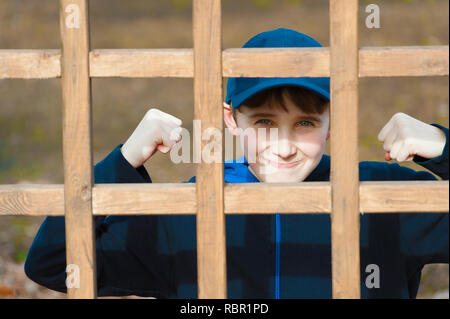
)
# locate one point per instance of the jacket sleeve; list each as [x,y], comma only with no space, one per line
[424,236]
[119,243]
[438,165]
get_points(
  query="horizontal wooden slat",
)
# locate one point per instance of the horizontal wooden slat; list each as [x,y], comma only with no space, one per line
[267,198]
[240,198]
[131,199]
[30,64]
[141,63]
[251,62]
[279,62]
[32,199]
[403,61]
[400,196]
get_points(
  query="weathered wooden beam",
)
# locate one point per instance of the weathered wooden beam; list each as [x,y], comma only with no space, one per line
[208,108]
[240,198]
[251,62]
[344,175]
[77,146]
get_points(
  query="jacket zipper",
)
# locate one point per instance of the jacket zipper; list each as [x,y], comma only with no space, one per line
[277,255]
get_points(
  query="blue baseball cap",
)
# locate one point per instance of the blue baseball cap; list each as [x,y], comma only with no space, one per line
[242,88]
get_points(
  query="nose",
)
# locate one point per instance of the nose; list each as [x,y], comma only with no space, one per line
[285,148]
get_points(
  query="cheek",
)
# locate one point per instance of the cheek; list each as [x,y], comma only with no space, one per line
[249,142]
[312,144]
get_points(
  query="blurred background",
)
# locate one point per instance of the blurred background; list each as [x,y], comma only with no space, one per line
[31,110]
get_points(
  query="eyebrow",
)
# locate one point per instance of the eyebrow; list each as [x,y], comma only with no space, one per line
[300,117]
[262,115]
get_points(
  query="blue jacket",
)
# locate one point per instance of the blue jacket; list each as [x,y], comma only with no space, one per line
[268,256]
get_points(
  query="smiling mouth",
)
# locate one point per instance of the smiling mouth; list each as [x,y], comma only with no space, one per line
[283,165]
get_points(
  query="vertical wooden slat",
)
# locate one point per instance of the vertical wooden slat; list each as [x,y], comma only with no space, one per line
[77,145]
[344,148]
[211,250]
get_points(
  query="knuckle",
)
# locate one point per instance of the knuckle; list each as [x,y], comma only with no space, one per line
[401,119]
[397,119]
[156,118]
[150,113]
[155,112]
[398,115]
[152,110]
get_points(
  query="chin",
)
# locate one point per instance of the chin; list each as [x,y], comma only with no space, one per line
[283,180]
[283,177]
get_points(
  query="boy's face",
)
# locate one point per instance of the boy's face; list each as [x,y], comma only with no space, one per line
[289,155]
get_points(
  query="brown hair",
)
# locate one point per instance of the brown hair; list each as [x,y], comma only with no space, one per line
[305,99]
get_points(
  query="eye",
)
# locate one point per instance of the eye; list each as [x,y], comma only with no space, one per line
[307,123]
[264,121]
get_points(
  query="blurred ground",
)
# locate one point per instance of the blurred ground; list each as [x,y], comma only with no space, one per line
[30,110]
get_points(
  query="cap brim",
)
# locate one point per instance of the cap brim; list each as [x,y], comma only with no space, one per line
[238,99]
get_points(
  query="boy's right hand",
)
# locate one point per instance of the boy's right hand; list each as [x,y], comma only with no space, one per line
[156,131]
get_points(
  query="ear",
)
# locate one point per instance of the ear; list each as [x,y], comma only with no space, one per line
[229,119]
[328,134]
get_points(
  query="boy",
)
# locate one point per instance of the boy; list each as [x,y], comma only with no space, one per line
[268,256]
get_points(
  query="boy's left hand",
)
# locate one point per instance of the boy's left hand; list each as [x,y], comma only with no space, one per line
[404,136]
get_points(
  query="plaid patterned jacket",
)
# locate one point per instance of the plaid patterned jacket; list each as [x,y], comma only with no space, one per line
[268,256]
